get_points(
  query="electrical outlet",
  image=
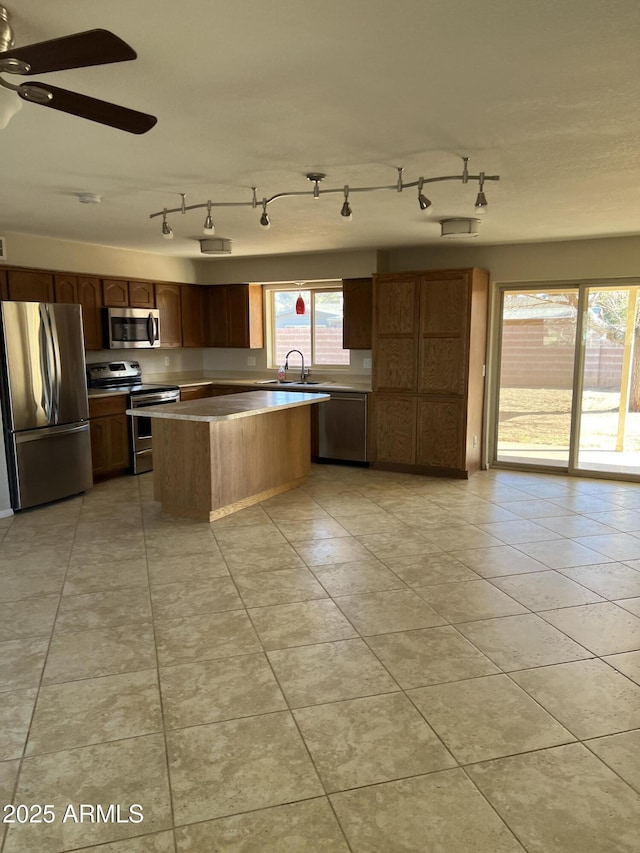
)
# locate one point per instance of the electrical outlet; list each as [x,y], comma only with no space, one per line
[251,361]
[166,361]
[366,362]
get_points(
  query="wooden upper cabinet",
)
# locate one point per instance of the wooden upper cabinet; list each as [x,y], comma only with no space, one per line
[357,296]
[235,316]
[245,316]
[444,306]
[142,294]
[90,298]
[30,286]
[115,292]
[65,288]
[396,305]
[193,306]
[4,293]
[168,304]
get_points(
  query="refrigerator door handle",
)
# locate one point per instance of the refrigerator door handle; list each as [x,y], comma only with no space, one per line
[44,334]
[55,352]
[37,434]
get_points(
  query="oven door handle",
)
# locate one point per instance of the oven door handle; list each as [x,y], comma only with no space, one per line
[152,400]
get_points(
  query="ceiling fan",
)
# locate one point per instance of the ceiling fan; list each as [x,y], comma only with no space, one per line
[80,50]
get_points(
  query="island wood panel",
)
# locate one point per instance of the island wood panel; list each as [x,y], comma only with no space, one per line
[206,470]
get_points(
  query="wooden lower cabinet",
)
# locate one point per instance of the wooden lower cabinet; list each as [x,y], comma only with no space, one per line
[195,392]
[393,437]
[440,432]
[109,426]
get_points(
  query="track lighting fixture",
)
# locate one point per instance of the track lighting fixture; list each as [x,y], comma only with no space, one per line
[264,219]
[316,179]
[481,199]
[208,228]
[167,233]
[346,207]
[423,201]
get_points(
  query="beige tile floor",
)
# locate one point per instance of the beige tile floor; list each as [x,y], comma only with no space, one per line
[373,663]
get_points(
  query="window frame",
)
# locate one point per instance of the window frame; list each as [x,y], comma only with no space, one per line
[331,285]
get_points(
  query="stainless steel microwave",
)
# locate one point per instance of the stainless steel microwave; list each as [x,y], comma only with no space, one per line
[132,328]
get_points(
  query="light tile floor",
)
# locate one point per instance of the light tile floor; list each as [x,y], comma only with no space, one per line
[374,662]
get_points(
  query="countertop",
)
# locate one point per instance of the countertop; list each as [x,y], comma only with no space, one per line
[187,380]
[319,383]
[229,406]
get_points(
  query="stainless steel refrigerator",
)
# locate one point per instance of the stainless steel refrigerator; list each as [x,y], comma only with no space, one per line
[45,411]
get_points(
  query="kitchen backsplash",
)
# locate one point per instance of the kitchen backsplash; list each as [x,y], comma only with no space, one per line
[229,360]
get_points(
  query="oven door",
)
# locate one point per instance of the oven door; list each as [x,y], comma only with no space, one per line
[141,429]
[132,328]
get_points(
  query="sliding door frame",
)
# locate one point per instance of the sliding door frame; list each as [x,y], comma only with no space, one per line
[494,351]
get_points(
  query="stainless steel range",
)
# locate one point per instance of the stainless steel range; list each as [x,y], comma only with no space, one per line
[126,376]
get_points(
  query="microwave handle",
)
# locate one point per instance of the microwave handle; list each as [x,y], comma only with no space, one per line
[150,329]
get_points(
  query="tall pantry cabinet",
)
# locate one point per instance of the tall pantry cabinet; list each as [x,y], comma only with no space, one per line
[429,341]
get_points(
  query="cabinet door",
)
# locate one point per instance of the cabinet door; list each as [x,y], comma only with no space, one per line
[115,293]
[393,428]
[168,303]
[119,457]
[65,288]
[193,304]
[395,364]
[4,293]
[218,332]
[444,306]
[109,444]
[90,297]
[395,305]
[443,365]
[357,296]
[244,316]
[195,392]
[142,294]
[28,286]
[441,433]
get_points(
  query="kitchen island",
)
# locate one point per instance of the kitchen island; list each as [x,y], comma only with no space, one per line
[214,456]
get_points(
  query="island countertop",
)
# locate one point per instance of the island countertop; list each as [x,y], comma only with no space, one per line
[228,407]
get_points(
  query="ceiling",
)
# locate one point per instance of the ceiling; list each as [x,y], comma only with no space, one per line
[543,93]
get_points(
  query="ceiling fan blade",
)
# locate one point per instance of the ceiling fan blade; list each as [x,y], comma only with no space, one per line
[93,109]
[93,47]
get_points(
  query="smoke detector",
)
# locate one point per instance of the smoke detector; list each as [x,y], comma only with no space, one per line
[89,198]
[215,246]
[459,227]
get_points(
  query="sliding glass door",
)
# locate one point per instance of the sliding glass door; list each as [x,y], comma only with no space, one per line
[568,393]
[608,433]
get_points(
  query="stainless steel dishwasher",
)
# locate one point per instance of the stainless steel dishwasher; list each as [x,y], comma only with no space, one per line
[342,427]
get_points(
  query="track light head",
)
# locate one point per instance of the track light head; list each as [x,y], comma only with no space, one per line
[208,228]
[481,199]
[167,233]
[346,207]
[264,219]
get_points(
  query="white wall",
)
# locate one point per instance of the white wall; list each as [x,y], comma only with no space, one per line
[25,250]
[302,267]
[558,261]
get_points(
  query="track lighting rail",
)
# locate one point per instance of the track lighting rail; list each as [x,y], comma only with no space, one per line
[316,178]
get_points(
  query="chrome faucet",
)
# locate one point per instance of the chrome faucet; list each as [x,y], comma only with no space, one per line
[303,372]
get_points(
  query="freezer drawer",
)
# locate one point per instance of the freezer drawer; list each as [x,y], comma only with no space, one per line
[50,463]
[342,427]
